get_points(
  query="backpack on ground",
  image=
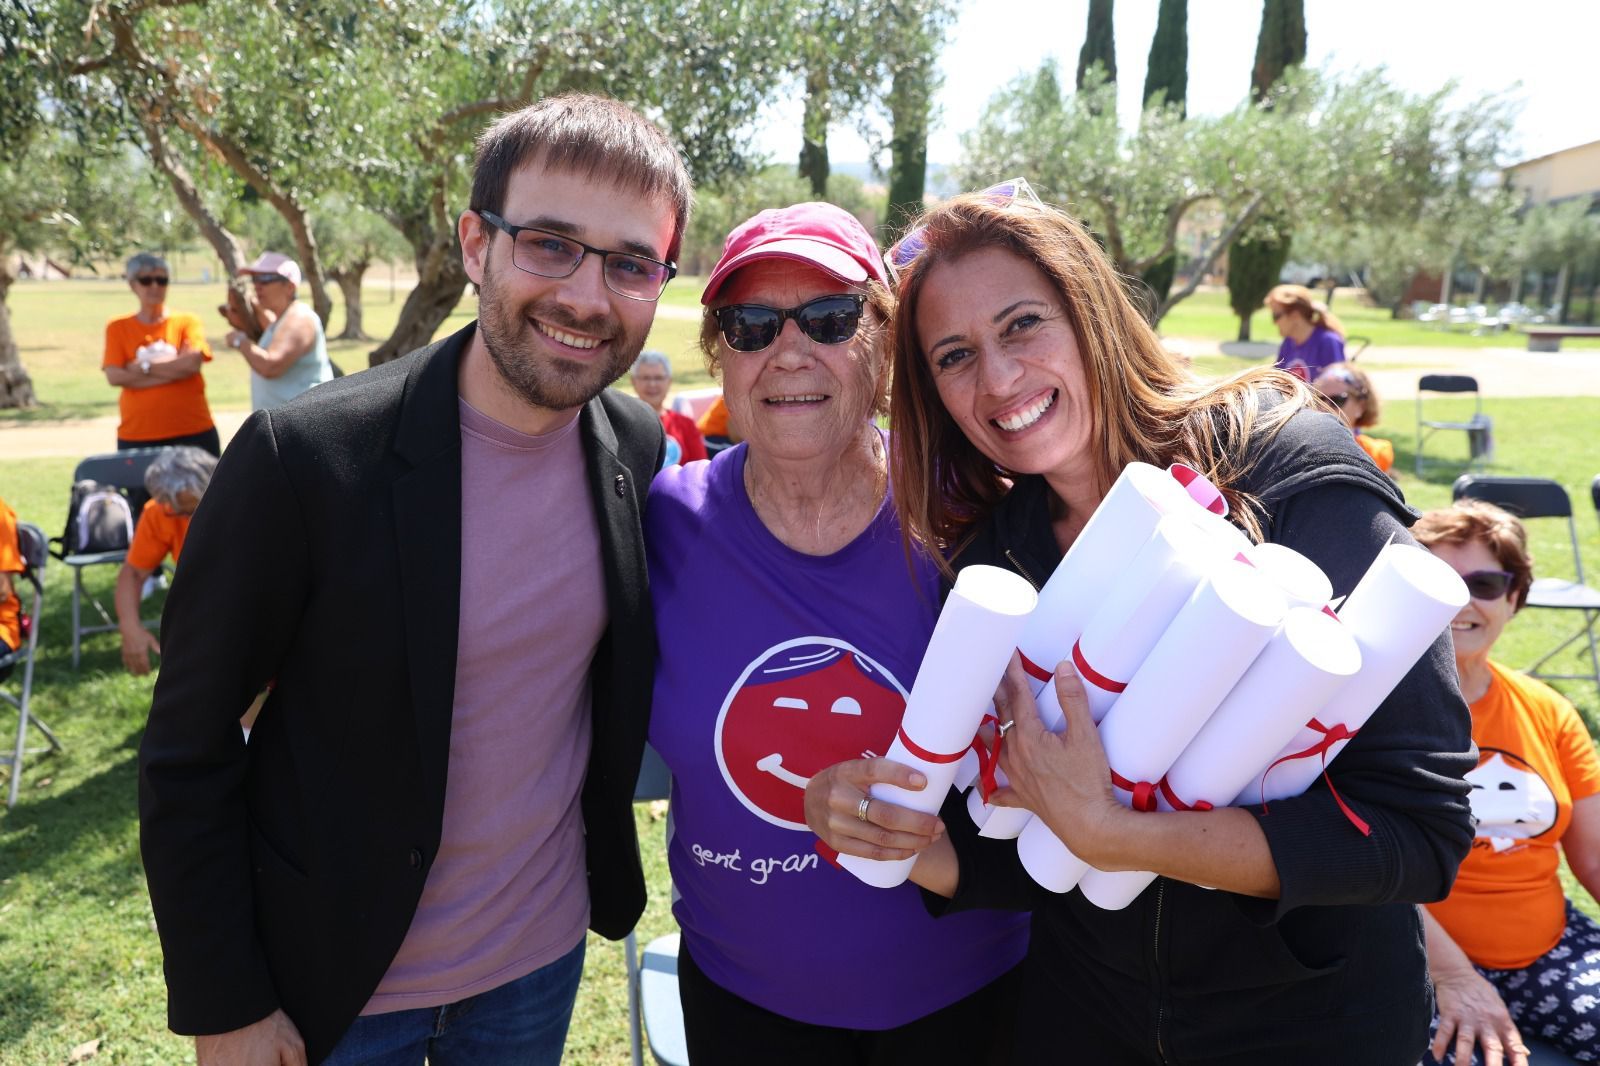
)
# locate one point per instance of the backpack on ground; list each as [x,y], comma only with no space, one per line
[99,519]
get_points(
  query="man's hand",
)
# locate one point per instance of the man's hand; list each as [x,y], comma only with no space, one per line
[137,645]
[273,1041]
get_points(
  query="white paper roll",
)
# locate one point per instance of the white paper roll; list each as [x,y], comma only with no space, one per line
[1140,606]
[1395,613]
[1202,655]
[1303,665]
[1301,580]
[1048,861]
[961,668]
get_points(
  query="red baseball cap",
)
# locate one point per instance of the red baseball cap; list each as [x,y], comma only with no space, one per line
[818,234]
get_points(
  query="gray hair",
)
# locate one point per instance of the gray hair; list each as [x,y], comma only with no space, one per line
[146,261]
[652,356]
[177,471]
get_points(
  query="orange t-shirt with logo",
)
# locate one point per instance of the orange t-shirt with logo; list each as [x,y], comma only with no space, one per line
[176,409]
[1535,758]
[159,533]
[10,563]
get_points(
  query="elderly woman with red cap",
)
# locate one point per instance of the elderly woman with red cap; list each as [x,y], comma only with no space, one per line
[791,627]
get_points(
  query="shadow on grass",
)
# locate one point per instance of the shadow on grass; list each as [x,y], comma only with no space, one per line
[47,413]
[37,833]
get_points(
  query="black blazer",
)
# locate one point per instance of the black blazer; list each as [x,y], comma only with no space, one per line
[325,557]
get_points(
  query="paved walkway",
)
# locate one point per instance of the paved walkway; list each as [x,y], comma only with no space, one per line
[1394,371]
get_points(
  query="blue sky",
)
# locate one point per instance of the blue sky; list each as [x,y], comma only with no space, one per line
[1544,51]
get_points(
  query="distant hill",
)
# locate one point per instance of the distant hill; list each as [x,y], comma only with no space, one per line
[940,183]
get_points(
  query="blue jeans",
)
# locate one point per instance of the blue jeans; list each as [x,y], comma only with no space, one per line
[521,1023]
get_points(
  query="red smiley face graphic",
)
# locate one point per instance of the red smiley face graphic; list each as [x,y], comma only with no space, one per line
[799,708]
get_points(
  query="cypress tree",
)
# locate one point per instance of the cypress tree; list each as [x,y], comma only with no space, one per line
[1167,72]
[1255,263]
[1168,68]
[1099,43]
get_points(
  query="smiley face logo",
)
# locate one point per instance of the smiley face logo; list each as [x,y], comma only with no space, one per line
[1509,799]
[798,708]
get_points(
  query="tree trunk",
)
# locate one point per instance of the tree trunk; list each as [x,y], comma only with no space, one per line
[240,296]
[305,243]
[16,387]
[1517,281]
[1563,285]
[1479,287]
[349,282]
[908,144]
[1447,284]
[441,279]
[814,131]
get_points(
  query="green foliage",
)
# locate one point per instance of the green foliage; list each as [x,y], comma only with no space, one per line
[1099,44]
[1280,45]
[722,206]
[1254,263]
[1166,77]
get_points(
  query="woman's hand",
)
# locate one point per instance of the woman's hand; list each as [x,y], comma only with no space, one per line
[1063,778]
[834,811]
[1471,1010]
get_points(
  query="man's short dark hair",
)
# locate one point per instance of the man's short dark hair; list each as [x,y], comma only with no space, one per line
[595,137]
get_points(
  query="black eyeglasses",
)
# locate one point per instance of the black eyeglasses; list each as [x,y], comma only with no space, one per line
[826,320]
[1488,585]
[550,255]
[151,280]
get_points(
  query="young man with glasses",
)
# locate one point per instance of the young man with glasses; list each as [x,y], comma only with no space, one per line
[292,354]
[154,356]
[436,798]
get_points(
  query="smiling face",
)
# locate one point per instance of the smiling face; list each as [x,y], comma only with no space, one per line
[1003,355]
[651,383]
[557,342]
[797,398]
[1477,625]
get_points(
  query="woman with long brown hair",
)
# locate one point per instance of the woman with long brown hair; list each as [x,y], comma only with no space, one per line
[1025,380]
[1313,336]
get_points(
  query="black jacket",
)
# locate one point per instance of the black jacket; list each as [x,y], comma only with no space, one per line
[325,557]
[1334,971]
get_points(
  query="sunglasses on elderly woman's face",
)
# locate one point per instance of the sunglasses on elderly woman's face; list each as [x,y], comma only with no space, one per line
[1487,585]
[151,279]
[826,320]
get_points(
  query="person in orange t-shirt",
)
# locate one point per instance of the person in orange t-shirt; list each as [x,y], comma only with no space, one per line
[175,480]
[10,600]
[155,357]
[1507,950]
[1351,391]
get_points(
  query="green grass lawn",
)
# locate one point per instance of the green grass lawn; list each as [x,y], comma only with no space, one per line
[1206,314]
[79,959]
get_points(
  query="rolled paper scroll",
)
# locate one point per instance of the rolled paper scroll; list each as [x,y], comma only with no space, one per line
[961,668]
[1304,664]
[1207,648]
[1125,520]
[1301,580]
[1395,613]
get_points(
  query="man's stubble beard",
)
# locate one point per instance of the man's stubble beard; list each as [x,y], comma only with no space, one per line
[554,384]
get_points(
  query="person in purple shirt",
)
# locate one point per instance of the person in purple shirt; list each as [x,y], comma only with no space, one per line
[1313,337]
[791,623]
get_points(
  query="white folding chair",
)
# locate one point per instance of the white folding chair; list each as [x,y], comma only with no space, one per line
[653,973]
[35,554]
[1532,498]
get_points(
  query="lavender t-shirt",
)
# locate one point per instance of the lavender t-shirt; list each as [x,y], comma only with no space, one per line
[1323,348]
[774,665]
[508,892]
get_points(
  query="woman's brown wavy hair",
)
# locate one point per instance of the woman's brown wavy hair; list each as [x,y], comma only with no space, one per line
[1146,405]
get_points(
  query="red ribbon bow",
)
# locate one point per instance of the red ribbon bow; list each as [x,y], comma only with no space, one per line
[1144,793]
[1330,736]
[988,757]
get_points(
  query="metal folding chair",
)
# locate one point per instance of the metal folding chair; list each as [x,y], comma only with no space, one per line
[35,553]
[1478,428]
[1536,497]
[653,973]
[122,470]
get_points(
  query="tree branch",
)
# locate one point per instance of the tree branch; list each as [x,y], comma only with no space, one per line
[1204,263]
[1169,240]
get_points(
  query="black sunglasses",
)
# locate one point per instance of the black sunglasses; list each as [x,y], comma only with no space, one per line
[826,320]
[151,280]
[266,279]
[1488,585]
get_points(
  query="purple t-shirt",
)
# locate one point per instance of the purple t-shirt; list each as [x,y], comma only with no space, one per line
[508,892]
[774,665]
[1323,348]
